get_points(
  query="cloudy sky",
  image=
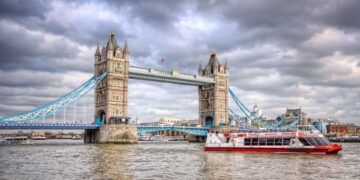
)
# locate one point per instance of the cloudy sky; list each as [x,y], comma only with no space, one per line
[282,54]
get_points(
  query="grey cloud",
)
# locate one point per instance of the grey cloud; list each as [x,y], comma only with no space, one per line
[258,38]
[20,9]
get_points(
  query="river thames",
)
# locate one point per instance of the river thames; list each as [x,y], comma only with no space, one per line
[71,159]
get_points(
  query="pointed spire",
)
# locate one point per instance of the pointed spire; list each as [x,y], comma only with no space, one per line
[126,48]
[213,52]
[97,53]
[213,59]
[109,45]
[112,43]
[200,67]
[113,39]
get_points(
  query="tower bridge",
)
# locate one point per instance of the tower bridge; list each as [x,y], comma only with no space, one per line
[111,95]
[110,82]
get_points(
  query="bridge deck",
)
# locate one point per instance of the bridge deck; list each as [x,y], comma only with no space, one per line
[201,131]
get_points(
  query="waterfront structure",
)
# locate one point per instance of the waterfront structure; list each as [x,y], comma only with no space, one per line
[213,98]
[111,120]
[111,94]
[169,121]
[338,129]
[321,124]
[292,115]
[343,129]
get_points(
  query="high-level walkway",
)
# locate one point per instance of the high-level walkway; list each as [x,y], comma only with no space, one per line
[174,76]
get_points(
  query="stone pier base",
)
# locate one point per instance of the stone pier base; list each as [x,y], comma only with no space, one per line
[112,133]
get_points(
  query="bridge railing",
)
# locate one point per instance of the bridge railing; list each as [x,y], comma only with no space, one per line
[47,126]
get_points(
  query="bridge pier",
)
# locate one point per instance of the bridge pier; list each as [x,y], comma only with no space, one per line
[89,136]
[112,133]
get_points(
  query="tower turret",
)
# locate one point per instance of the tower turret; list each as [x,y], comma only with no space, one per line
[213,98]
[200,70]
[126,50]
[109,46]
[226,66]
[97,54]
[212,66]
[111,94]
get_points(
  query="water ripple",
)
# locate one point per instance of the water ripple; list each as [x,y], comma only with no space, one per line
[75,160]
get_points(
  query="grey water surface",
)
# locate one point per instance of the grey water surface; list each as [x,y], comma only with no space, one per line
[71,159]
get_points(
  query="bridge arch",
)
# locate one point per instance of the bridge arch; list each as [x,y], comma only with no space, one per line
[209,121]
[101,117]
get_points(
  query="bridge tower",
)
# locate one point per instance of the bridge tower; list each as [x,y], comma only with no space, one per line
[111,94]
[213,98]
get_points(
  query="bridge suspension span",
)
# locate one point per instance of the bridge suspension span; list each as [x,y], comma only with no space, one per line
[255,118]
[73,97]
[57,105]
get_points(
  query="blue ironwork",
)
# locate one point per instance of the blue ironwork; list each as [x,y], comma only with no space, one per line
[199,131]
[237,118]
[57,105]
[257,119]
[289,126]
[98,121]
[10,126]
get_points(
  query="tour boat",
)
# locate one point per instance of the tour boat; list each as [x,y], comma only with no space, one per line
[302,140]
[16,140]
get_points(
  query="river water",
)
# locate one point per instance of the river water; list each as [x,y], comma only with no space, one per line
[71,159]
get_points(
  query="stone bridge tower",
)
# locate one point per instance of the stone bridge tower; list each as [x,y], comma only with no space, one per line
[111,94]
[213,98]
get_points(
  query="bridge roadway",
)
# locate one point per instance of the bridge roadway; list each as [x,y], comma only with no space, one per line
[141,129]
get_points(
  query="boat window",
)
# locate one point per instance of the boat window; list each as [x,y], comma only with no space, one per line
[270,141]
[278,141]
[286,142]
[325,141]
[262,141]
[317,140]
[304,142]
[247,141]
[310,141]
[254,142]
